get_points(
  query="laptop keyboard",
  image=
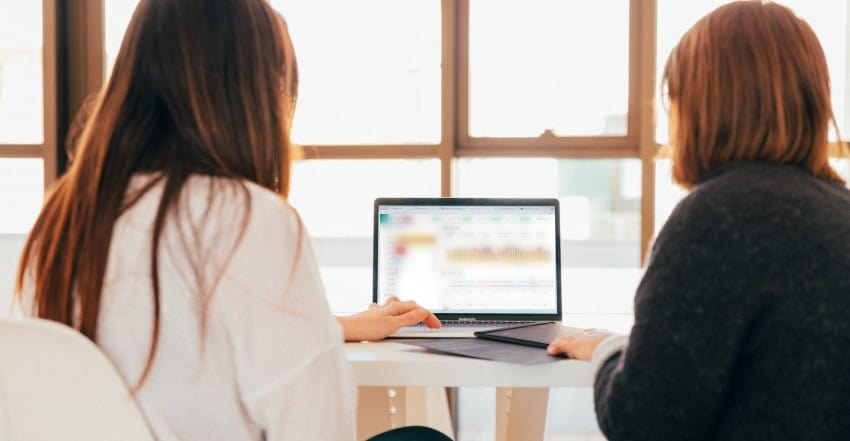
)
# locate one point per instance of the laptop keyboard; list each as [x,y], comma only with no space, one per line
[479,323]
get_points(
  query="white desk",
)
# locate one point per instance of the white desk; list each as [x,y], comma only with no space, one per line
[402,384]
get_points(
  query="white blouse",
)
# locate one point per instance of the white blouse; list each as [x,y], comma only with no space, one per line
[248,348]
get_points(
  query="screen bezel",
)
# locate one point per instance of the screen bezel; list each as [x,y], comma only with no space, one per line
[478,202]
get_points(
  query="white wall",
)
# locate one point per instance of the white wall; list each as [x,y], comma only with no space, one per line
[10,251]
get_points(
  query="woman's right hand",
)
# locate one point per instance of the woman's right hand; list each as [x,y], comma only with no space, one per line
[379,321]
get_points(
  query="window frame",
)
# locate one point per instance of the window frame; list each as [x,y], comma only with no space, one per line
[74,66]
[455,142]
[46,150]
[571,146]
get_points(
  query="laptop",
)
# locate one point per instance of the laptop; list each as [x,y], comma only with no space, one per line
[478,264]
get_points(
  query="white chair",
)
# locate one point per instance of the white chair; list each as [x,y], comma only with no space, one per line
[57,385]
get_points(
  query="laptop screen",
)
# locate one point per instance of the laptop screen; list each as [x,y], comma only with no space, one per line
[469,256]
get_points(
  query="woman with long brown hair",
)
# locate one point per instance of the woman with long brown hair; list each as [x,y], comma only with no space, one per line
[742,319]
[170,244]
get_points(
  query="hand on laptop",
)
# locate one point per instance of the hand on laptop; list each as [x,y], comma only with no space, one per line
[578,346]
[379,321]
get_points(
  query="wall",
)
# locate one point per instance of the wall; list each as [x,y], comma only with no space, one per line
[10,250]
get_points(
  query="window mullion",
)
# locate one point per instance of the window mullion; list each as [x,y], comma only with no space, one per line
[643,34]
[77,33]
[451,24]
[50,79]
[846,136]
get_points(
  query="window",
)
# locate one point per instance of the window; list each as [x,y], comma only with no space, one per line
[548,68]
[117,14]
[23,61]
[21,115]
[364,78]
[830,23]
[496,98]
[21,191]
[21,99]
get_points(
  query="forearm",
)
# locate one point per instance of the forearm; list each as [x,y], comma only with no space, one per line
[346,325]
[606,349]
[656,390]
[362,327]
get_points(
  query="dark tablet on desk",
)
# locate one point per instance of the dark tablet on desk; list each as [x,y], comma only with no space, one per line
[536,335]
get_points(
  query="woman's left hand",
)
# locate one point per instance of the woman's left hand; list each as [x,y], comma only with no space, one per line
[579,346]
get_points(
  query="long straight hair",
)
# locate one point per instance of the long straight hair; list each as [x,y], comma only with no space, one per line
[750,83]
[198,87]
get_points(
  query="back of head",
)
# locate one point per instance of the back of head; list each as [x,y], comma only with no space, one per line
[208,87]
[748,82]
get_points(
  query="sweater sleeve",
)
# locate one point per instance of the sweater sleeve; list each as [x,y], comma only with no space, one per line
[691,313]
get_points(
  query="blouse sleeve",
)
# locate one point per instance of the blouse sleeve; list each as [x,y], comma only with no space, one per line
[291,370]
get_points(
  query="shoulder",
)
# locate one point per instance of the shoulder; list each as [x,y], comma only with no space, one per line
[238,202]
[721,212]
[766,185]
[249,228]
[752,193]
[259,238]
[746,207]
[220,191]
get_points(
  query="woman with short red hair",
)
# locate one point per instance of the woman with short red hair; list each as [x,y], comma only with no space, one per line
[742,319]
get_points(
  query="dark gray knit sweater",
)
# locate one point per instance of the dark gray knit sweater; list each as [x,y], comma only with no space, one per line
[742,320]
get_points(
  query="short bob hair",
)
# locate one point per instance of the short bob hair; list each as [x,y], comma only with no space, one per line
[748,82]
